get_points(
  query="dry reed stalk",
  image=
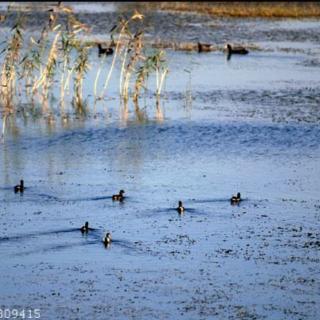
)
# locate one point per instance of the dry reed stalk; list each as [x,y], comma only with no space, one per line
[97,77]
[47,72]
[162,77]
[123,67]
[116,53]
[4,121]
[124,27]
[81,67]
[10,64]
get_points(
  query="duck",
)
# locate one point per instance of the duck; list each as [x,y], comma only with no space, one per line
[236,199]
[180,208]
[204,47]
[236,50]
[107,51]
[85,228]
[118,197]
[19,187]
[107,239]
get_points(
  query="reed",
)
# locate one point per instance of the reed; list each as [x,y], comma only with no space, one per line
[46,77]
[9,70]
[188,94]
[67,44]
[123,30]
[59,55]
[136,61]
[29,65]
[95,94]
[81,68]
[153,63]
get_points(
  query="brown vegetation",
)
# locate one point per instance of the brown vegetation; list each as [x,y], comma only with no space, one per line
[240,9]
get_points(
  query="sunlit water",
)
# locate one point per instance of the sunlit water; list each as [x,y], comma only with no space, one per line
[252,126]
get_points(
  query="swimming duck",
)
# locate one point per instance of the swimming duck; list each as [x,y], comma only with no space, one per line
[180,208]
[19,187]
[236,50]
[204,47]
[107,239]
[118,197]
[235,199]
[107,51]
[85,228]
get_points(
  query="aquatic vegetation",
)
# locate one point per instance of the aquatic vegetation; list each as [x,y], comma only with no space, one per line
[188,93]
[81,67]
[61,56]
[46,77]
[9,70]
[135,60]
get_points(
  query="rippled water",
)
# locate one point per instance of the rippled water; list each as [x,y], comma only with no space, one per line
[252,126]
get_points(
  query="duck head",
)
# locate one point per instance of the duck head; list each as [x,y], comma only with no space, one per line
[228,47]
[107,239]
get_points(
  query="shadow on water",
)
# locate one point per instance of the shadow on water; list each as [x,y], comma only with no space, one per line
[94,236]
[210,200]
[8,188]
[169,212]
[48,197]
[193,211]
[94,199]
[125,244]
[25,236]
[122,244]
[221,200]
[26,197]
[58,247]
[29,195]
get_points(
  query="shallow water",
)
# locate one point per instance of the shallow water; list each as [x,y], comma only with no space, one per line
[252,126]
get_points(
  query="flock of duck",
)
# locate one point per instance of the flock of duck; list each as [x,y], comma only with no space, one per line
[202,47]
[120,197]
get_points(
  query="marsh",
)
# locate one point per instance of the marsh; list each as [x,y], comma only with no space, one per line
[249,124]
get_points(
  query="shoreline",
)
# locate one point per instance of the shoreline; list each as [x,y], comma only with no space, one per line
[237,9]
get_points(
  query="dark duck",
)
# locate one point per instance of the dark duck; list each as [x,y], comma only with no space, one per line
[19,187]
[107,239]
[106,51]
[118,197]
[235,50]
[85,228]
[235,199]
[204,47]
[180,208]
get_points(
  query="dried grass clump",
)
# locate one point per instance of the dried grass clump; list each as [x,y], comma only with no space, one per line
[240,9]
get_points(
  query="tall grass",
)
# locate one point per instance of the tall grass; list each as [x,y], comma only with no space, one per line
[9,72]
[59,55]
[136,61]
